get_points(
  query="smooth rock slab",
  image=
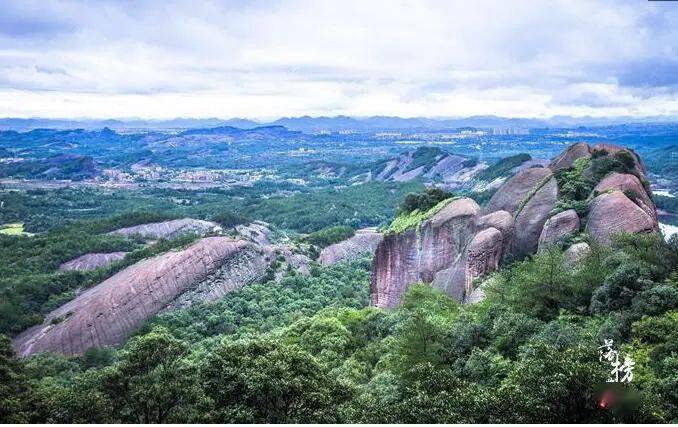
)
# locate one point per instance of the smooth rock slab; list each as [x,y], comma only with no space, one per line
[567,158]
[168,229]
[364,242]
[532,217]
[629,183]
[559,226]
[611,213]
[107,313]
[510,196]
[91,261]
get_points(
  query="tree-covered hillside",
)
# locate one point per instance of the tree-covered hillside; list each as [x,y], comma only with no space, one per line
[308,349]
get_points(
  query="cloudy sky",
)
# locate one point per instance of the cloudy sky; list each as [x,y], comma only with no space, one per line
[259,59]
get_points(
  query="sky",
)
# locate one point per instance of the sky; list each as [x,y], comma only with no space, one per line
[269,59]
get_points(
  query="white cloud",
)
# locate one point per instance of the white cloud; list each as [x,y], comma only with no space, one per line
[264,60]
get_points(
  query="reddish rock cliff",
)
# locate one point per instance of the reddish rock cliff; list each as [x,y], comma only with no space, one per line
[107,313]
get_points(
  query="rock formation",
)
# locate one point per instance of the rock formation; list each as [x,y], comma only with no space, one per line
[566,159]
[457,244]
[168,229]
[107,313]
[612,213]
[628,184]
[364,242]
[558,227]
[448,250]
[91,261]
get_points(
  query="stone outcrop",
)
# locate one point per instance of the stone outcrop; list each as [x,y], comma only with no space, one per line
[448,250]
[559,226]
[364,242]
[517,189]
[107,313]
[458,244]
[168,229]
[613,212]
[91,261]
[576,252]
[484,254]
[531,218]
[628,184]
[573,152]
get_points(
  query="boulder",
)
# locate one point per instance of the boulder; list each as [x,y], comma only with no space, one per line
[168,229]
[629,184]
[510,196]
[107,313]
[502,221]
[531,218]
[364,242]
[576,252]
[91,261]
[484,255]
[573,152]
[559,226]
[613,212]
[395,267]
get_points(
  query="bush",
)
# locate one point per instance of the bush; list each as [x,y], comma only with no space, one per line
[329,236]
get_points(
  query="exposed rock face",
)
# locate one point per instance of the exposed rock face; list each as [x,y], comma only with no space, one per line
[256,231]
[396,266]
[247,266]
[613,212]
[629,184]
[502,221]
[531,218]
[510,196]
[559,226]
[573,152]
[168,229]
[91,261]
[576,252]
[364,242]
[458,245]
[484,254]
[107,313]
[447,251]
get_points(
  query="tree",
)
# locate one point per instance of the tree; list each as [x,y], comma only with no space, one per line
[264,381]
[151,383]
[13,386]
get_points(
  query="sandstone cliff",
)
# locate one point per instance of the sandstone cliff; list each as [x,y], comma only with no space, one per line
[107,313]
[449,250]
[457,244]
[364,242]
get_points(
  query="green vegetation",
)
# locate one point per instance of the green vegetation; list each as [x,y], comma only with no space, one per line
[30,283]
[414,219]
[329,236]
[14,229]
[503,167]
[309,350]
[423,201]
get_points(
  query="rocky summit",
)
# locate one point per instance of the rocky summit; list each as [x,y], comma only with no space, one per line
[534,209]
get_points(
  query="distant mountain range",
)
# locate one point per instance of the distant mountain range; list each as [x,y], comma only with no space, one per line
[332,124]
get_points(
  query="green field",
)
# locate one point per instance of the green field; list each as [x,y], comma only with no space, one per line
[14,229]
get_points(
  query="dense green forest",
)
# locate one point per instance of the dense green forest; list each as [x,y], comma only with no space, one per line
[309,349]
